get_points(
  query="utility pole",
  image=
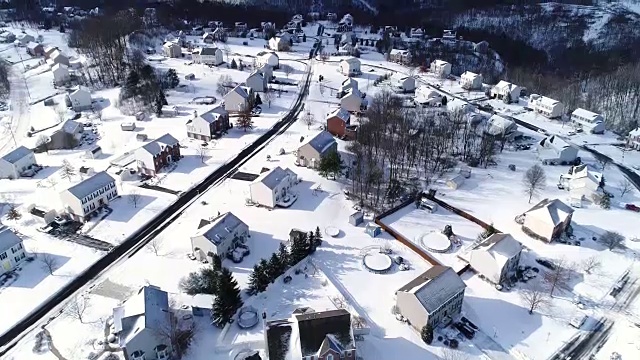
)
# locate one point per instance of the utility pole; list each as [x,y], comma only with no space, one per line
[26,86]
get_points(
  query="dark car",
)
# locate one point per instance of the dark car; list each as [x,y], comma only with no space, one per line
[632,207]
[546,263]
[465,330]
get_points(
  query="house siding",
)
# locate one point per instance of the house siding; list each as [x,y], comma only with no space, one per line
[80,209]
[336,126]
[10,258]
[168,155]
[145,341]
[13,170]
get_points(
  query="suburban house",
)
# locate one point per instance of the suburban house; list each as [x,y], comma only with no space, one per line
[403,83]
[350,66]
[218,236]
[208,56]
[57,57]
[351,101]
[67,136]
[416,33]
[152,157]
[506,91]
[441,68]
[80,99]
[257,81]
[11,250]
[322,335]
[272,186]
[238,98]
[501,126]
[86,197]
[338,124]
[312,150]
[400,56]
[589,121]
[35,49]
[208,38]
[60,74]
[581,181]
[280,43]
[471,81]
[7,36]
[633,139]
[269,58]
[16,162]
[141,322]
[546,106]
[220,34]
[554,150]
[266,71]
[172,50]
[24,39]
[208,125]
[496,258]
[49,50]
[425,95]
[547,220]
[348,84]
[432,297]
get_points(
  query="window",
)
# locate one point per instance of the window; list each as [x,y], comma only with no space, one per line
[22,256]
[329,357]
[17,259]
[3,256]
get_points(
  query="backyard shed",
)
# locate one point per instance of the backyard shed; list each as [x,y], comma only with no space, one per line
[373,229]
[356,218]
[455,182]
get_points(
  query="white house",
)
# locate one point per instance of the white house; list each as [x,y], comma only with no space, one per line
[209,124]
[471,81]
[348,84]
[581,181]
[238,98]
[172,50]
[218,236]
[432,297]
[351,101]
[80,99]
[16,162]
[266,71]
[11,250]
[257,81]
[272,187]
[546,106]
[269,58]
[400,56]
[404,83]
[24,39]
[589,121]
[548,219]
[425,95]
[60,74]
[208,56]
[89,195]
[441,68]
[496,258]
[280,43]
[506,91]
[312,150]
[208,38]
[57,57]
[633,139]
[501,126]
[554,150]
[350,66]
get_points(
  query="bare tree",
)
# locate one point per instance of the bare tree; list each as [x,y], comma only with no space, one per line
[67,171]
[77,307]
[61,113]
[225,82]
[287,70]
[98,113]
[559,275]
[534,296]
[590,264]
[603,161]
[52,181]
[452,354]
[43,143]
[203,151]
[135,198]
[321,89]
[177,335]
[626,187]
[612,239]
[534,181]
[308,119]
[269,96]
[49,263]
[155,246]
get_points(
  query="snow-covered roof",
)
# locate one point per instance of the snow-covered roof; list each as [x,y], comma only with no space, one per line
[435,286]
[272,178]
[352,61]
[555,143]
[440,63]
[70,127]
[59,66]
[148,309]
[208,51]
[321,142]
[32,45]
[56,54]
[340,113]
[8,238]
[240,90]
[469,75]
[214,114]
[589,115]
[256,72]
[498,125]
[89,185]
[501,247]
[80,89]
[504,85]
[352,92]
[457,179]
[635,132]
[554,211]
[319,331]
[220,228]
[399,52]
[16,154]
[170,44]
[543,100]
[583,172]
[155,147]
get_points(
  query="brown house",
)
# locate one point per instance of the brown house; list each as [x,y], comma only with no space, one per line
[35,49]
[152,157]
[338,124]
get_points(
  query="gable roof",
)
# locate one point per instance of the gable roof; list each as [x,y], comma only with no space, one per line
[553,211]
[16,154]
[548,101]
[435,286]
[314,327]
[440,62]
[148,309]
[352,92]
[155,147]
[220,228]
[589,115]
[583,172]
[59,66]
[278,334]
[321,142]
[214,114]
[8,238]
[70,126]
[56,53]
[501,247]
[78,90]
[256,72]
[504,85]
[89,185]
[352,61]
[340,113]
[32,45]
[272,178]
[498,124]
[209,51]
[240,90]
[469,75]
[554,142]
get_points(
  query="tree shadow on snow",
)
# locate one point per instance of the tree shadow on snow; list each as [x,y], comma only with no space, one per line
[32,273]
[126,209]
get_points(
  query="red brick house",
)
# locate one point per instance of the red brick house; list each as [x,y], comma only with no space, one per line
[152,157]
[338,124]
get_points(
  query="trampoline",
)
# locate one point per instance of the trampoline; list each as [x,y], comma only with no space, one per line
[435,241]
[377,262]
[248,317]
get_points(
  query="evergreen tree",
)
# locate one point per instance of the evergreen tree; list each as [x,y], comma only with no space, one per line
[216,262]
[258,280]
[171,79]
[130,88]
[299,249]
[234,65]
[605,202]
[283,256]
[13,213]
[227,301]
[258,100]
[274,269]
[311,243]
[427,334]
[61,28]
[330,164]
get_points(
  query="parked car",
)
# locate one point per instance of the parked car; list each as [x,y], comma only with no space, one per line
[632,207]
[465,330]
[546,263]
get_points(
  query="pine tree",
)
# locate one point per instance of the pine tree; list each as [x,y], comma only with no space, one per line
[283,256]
[427,334]
[330,164]
[227,301]
[216,262]
[258,100]
[299,249]
[13,213]
[258,280]
[274,269]
[161,101]
[131,84]
[234,65]
[171,78]
[311,240]
[605,202]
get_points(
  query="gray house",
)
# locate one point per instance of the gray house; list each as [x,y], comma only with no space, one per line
[141,324]
[496,258]
[553,150]
[67,136]
[218,236]
[432,297]
[311,151]
[11,250]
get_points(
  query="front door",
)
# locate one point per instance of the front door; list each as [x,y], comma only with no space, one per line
[6,265]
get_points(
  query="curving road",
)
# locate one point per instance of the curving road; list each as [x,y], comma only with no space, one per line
[18,124]
[53,306]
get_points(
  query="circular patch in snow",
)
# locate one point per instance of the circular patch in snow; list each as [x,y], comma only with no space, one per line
[377,262]
[248,317]
[204,100]
[435,241]
[332,231]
